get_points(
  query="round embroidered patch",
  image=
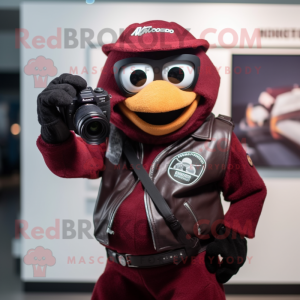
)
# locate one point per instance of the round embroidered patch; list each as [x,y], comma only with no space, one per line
[187,167]
[249,160]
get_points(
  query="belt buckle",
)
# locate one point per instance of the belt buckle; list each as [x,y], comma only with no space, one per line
[128,261]
[124,260]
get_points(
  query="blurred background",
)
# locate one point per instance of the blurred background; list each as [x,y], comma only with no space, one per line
[259,88]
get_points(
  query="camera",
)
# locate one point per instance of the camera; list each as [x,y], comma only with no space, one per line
[88,115]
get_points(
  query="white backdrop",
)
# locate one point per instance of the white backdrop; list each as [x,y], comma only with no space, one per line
[46,197]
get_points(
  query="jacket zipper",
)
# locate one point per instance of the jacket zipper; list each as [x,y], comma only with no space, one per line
[186,205]
[148,217]
[110,224]
[158,156]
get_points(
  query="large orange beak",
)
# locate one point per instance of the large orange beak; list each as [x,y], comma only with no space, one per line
[160,97]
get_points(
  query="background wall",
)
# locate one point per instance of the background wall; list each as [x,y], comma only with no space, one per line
[16,3]
[46,197]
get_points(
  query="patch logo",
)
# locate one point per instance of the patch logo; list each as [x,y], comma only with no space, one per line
[187,167]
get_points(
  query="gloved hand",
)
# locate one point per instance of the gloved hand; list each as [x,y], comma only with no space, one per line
[233,249]
[59,92]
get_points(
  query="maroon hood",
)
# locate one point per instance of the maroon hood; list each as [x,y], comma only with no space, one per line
[207,85]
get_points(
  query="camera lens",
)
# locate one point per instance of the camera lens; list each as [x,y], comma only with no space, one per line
[94,128]
[91,124]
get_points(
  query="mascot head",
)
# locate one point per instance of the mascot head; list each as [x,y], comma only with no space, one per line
[163,85]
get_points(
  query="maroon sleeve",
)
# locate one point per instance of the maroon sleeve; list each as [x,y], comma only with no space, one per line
[74,158]
[245,189]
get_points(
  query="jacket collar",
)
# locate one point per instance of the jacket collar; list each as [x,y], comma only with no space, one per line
[204,132]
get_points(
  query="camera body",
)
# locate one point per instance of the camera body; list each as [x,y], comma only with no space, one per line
[88,115]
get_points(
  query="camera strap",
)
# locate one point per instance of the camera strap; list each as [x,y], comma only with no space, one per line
[191,245]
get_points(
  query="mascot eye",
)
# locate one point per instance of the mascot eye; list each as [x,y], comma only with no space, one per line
[179,73]
[135,77]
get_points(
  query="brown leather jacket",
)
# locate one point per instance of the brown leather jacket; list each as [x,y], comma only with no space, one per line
[187,173]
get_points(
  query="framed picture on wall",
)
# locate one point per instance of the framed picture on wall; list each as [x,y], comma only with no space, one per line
[265,106]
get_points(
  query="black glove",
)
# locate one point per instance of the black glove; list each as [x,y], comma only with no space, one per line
[59,92]
[233,249]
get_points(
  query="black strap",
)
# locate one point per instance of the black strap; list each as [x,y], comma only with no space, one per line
[192,245]
[147,261]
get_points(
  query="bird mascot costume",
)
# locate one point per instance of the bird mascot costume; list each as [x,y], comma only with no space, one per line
[166,161]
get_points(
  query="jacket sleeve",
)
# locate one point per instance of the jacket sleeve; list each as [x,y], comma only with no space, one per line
[73,158]
[245,189]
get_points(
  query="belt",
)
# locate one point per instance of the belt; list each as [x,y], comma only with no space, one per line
[146,261]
